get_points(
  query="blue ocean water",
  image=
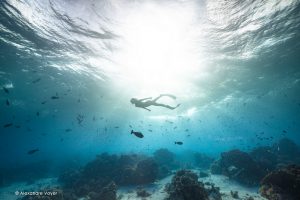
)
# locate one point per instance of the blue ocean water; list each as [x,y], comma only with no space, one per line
[68,70]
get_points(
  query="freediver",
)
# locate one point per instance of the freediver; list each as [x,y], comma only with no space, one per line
[146,102]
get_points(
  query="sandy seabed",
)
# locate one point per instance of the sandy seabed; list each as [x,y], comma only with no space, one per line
[129,193]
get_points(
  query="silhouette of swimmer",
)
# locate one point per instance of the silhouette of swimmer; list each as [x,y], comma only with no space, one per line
[146,102]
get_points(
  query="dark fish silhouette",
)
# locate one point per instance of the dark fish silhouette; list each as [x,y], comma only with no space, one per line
[36,80]
[68,130]
[179,143]
[284,131]
[79,118]
[5,90]
[37,113]
[30,152]
[137,134]
[55,97]
[7,125]
[7,102]
[43,102]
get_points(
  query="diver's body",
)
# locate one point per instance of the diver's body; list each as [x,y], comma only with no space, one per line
[146,102]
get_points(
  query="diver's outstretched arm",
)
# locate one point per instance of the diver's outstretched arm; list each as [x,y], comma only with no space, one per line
[146,109]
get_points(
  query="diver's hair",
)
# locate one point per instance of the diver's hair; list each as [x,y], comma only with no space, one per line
[133,100]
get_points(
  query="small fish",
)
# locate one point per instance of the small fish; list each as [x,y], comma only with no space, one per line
[179,143]
[43,102]
[30,152]
[79,118]
[68,130]
[284,131]
[7,125]
[7,102]
[117,127]
[150,130]
[37,114]
[54,97]
[5,90]
[36,80]
[137,134]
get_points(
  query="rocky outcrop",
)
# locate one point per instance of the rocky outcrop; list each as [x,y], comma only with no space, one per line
[239,166]
[100,177]
[282,184]
[265,157]
[185,186]
[287,152]
[166,162]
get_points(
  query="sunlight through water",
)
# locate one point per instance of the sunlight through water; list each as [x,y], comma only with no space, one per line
[157,49]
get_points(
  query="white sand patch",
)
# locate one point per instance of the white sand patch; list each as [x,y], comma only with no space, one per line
[156,190]
[226,185]
[9,193]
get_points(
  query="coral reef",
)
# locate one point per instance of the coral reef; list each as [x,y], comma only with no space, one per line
[166,162]
[282,184]
[163,156]
[202,161]
[265,157]
[287,151]
[185,186]
[234,194]
[99,177]
[215,167]
[108,192]
[213,192]
[239,166]
[142,193]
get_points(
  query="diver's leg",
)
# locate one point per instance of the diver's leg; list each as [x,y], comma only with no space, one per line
[164,95]
[168,95]
[154,100]
[164,105]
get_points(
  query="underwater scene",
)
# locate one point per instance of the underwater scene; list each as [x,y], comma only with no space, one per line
[149,99]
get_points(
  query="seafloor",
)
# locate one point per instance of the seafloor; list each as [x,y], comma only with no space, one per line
[266,172]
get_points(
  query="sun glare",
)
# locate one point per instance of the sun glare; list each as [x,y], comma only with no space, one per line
[157,51]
